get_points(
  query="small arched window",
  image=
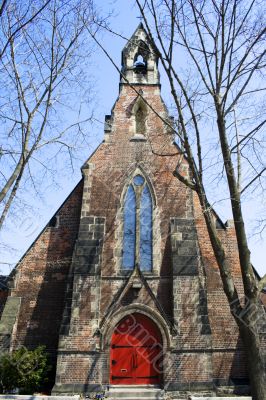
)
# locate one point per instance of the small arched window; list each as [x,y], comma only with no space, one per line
[140,119]
[137,235]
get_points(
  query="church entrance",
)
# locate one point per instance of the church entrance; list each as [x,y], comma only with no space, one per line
[136,352]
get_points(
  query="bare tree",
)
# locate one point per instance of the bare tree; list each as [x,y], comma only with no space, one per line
[213,55]
[26,18]
[43,55]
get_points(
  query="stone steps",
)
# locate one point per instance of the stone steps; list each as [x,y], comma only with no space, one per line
[134,392]
[37,397]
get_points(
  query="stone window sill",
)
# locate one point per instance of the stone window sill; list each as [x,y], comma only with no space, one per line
[138,138]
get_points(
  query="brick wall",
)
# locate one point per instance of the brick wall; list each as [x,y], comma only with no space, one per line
[41,277]
[185,278]
[71,281]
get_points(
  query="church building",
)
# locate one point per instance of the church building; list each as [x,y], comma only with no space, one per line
[122,286]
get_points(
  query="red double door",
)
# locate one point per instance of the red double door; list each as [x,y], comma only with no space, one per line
[136,352]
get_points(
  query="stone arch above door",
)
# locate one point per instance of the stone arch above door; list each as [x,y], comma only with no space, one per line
[136,351]
[110,324]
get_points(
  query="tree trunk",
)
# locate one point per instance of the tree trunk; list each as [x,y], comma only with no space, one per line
[256,356]
[249,317]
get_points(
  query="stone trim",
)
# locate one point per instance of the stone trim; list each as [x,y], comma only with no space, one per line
[136,277]
[109,325]
[204,350]
[185,251]
[156,236]
[8,321]
[88,250]
[139,84]
[73,388]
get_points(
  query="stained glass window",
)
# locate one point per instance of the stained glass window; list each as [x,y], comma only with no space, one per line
[137,248]
[146,230]
[138,180]
[129,241]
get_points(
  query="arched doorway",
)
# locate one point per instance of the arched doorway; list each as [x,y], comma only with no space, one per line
[136,352]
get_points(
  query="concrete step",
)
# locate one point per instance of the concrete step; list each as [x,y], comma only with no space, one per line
[135,392]
[37,397]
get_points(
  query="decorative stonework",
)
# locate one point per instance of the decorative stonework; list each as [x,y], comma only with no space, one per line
[185,248]
[119,225]
[139,45]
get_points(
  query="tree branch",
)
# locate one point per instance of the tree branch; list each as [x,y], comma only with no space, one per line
[253,180]
[13,34]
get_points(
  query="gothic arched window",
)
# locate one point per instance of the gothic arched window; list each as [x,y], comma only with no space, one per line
[140,118]
[129,243]
[137,236]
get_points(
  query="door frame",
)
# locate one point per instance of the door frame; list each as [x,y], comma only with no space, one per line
[109,325]
[151,341]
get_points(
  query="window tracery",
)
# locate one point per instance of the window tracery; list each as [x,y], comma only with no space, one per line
[137,230]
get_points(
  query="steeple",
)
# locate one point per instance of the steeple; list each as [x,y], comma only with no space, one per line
[139,60]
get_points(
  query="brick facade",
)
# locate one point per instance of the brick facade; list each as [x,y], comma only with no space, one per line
[72,290]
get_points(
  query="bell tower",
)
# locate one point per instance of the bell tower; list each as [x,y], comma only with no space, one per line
[139,60]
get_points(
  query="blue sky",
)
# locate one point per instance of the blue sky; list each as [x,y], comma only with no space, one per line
[106,78]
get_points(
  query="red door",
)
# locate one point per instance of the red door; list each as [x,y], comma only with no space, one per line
[136,352]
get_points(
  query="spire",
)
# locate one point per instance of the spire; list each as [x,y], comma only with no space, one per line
[139,60]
